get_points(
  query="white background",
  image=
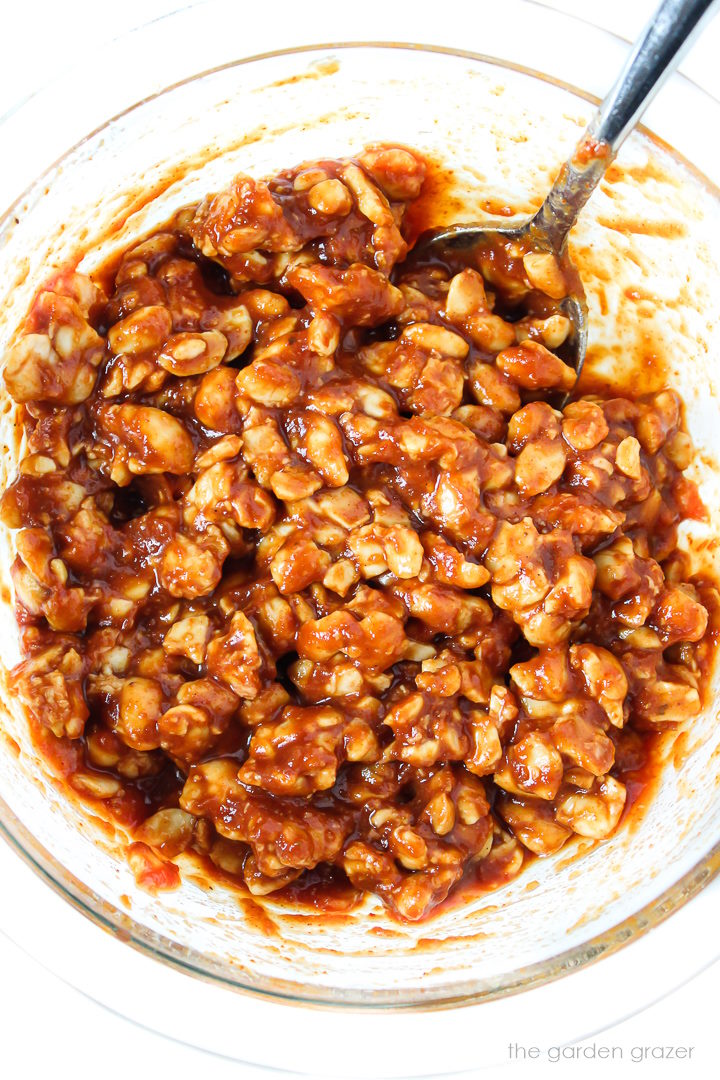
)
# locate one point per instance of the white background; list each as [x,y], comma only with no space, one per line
[45,1026]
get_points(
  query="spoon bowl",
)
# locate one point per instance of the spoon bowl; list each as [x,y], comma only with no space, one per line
[466,243]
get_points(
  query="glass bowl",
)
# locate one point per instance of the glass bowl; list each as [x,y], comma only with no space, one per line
[647,248]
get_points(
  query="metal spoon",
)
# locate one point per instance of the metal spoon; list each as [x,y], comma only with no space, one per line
[655,55]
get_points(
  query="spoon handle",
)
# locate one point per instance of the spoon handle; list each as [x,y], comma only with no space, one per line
[656,54]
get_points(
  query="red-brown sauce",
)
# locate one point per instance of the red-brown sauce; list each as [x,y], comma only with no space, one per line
[240,673]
